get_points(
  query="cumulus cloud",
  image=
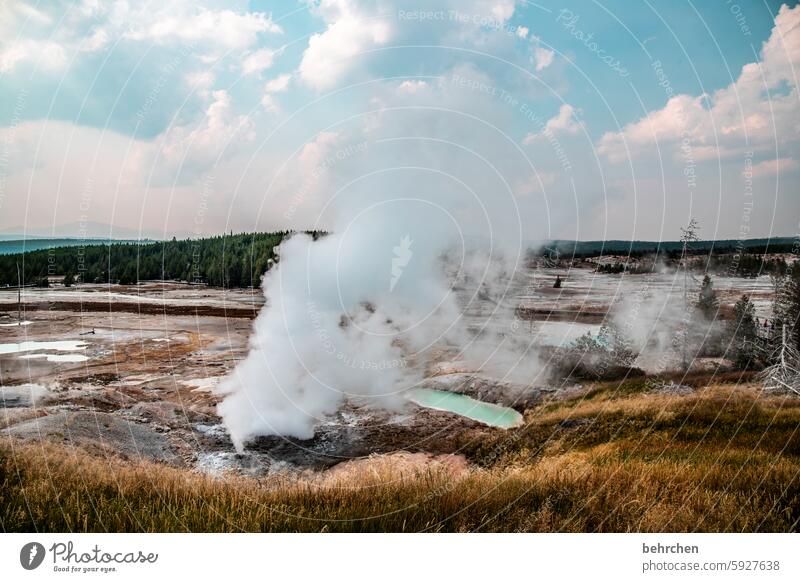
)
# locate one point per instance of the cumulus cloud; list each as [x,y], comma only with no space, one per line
[353,28]
[50,41]
[412,86]
[185,22]
[350,29]
[218,134]
[258,61]
[212,122]
[277,85]
[45,54]
[200,79]
[542,58]
[752,113]
[502,10]
[563,123]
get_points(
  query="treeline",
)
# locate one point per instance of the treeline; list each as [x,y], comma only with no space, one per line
[748,265]
[591,249]
[748,258]
[235,260]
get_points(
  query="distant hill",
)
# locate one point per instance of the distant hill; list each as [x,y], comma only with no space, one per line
[88,230]
[14,246]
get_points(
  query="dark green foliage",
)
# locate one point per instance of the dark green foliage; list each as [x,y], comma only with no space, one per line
[605,356]
[748,258]
[707,333]
[707,302]
[565,249]
[611,268]
[744,334]
[230,261]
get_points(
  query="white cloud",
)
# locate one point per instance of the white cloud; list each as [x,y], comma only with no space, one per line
[315,151]
[412,86]
[277,85]
[258,61]
[564,122]
[15,15]
[750,114]
[98,40]
[200,79]
[51,38]
[502,10]
[350,30]
[774,167]
[45,54]
[219,133]
[522,31]
[542,58]
[186,23]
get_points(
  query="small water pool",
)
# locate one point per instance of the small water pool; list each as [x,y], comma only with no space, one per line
[32,346]
[485,412]
[57,358]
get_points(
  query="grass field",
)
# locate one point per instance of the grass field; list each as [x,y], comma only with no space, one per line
[725,458]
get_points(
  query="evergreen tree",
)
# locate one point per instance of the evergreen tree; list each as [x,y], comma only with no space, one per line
[236,261]
[707,302]
[743,334]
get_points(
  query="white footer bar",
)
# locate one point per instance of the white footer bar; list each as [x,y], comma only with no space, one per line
[353,557]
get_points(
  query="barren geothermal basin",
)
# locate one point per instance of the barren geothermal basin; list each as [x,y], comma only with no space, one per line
[491,414]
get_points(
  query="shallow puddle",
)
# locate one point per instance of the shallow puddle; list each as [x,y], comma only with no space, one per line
[202,384]
[32,346]
[485,412]
[59,358]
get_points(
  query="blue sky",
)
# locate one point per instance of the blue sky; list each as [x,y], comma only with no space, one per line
[605,119]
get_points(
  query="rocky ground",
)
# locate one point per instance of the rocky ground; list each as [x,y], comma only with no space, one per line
[138,378]
[146,387]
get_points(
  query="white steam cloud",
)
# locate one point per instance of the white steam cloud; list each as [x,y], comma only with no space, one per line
[333,329]
[354,315]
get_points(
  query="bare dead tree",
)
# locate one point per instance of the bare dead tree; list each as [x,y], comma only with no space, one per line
[688,236]
[784,374]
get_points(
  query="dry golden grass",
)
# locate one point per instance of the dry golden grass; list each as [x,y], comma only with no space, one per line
[723,459]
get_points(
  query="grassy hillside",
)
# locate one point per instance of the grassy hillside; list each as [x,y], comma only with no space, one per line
[726,458]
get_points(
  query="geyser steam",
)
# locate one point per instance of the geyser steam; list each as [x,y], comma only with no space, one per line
[349,316]
[346,318]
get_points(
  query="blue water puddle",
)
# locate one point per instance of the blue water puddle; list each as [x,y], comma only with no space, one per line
[491,414]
